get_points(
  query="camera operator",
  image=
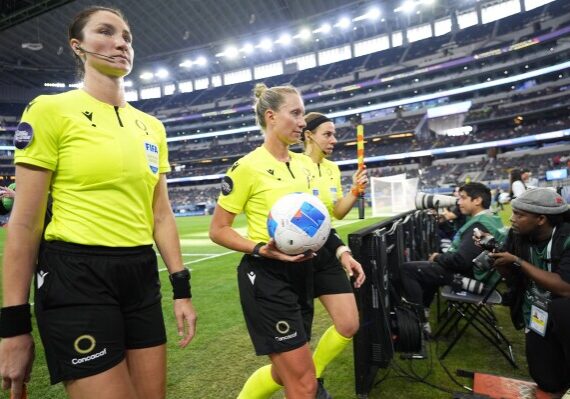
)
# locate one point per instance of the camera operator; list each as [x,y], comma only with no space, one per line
[537,267]
[422,279]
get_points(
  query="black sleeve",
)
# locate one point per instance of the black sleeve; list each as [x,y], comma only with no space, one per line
[333,242]
[461,261]
[564,266]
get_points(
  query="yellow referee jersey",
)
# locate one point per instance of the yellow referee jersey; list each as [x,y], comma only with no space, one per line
[106,162]
[257,180]
[326,184]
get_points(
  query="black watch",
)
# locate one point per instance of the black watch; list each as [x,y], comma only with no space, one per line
[256,249]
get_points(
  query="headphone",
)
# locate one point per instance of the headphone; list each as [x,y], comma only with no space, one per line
[315,142]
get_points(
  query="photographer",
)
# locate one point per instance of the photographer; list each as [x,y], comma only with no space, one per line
[450,221]
[537,267]
[422,279]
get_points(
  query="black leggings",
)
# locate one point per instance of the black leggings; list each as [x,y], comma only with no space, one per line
[422,279]
[549,357]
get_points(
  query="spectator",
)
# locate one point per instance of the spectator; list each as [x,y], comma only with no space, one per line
[518,180]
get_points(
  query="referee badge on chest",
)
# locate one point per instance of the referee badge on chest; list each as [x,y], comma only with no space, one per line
[151,151]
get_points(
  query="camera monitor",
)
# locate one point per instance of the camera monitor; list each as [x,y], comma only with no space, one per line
[387,324]
[373,347]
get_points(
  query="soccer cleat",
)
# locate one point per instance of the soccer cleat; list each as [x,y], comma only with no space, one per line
[322,393]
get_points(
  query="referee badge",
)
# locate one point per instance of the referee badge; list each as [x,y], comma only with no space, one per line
[151,151]
[23,135]
[227,185]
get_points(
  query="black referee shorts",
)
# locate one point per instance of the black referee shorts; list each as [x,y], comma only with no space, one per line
[330,278]
[277,303]
[93,303]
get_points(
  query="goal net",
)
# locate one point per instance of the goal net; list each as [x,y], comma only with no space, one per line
[391,195]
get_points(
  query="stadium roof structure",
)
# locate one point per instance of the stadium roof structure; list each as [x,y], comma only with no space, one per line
[161,29]
[33,34]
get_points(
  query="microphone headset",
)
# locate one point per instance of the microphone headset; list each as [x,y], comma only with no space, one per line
[317,144]
[78,47]
[312,126]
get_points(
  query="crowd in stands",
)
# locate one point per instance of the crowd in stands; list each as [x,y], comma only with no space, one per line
[491,114]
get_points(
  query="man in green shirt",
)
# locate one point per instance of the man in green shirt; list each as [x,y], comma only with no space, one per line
[421,279]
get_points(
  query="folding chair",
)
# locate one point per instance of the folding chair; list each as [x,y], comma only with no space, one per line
[475,310]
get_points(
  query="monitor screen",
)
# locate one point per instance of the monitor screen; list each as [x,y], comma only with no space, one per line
[556,174]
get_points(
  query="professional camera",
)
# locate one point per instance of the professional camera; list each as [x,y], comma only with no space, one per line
[431,201]
[483,261]
[462,283]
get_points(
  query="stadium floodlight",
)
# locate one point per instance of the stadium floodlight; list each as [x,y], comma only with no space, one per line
[284,39]
[265,44]
[201,61]
[78,85]
[407,7]
[162,73]
[324,28]
[231,52]
[54,84]
[372,14]
[186,64]
[247,48]
[303,34]
[343,23]
[146,75]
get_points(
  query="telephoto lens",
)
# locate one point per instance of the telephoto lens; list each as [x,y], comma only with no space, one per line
[461,283]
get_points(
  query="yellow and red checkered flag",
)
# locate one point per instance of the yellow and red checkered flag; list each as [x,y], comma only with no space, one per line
[360,159]
[360,146]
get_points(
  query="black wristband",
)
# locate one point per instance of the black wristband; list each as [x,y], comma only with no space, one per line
[333,241]
[181,284]
[15,320]
[256,249]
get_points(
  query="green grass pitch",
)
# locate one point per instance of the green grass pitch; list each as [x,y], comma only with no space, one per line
[220,358]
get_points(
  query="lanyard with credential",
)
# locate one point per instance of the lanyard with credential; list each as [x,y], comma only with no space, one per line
[548,259]
[540,298]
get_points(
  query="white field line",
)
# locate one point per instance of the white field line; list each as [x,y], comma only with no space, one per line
[208,256]
[195,254]
[202,259]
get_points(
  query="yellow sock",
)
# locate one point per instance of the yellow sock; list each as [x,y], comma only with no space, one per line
[329,346]
[259,385]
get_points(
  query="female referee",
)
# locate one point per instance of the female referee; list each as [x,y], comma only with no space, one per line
[275,288]
[332,286]
[97,295]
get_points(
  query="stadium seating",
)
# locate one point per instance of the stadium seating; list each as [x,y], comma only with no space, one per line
[459,59]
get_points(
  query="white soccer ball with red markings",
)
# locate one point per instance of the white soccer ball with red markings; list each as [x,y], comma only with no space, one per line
[299,223]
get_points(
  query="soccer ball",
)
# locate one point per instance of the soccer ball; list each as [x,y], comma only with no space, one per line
[299,223]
